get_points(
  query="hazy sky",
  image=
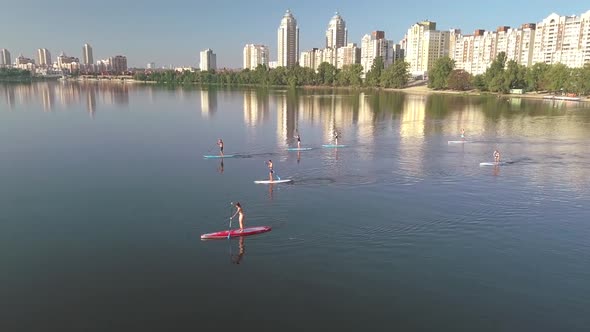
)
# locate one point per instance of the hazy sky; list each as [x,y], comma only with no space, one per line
[173,32]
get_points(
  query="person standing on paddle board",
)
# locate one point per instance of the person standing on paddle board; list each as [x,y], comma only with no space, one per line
[336,138]
[220,144]
[298,137]
[270,170]
[239,212]
[463,134]
[496,156]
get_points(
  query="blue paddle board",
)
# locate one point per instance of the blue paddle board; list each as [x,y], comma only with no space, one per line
[334,146]
[299,149]
[274,181]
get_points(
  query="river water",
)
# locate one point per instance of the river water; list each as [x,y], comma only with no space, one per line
[105,193]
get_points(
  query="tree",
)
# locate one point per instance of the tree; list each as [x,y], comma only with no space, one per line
[514,76]
[479,82]
[326,73]
[396,76]
[581,80]
[373,77]
[350,75]
[494,75]
[536,77]
[438,76]
[558,76]
[459,80]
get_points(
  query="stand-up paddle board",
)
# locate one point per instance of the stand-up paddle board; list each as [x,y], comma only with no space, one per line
[457,142]
[334,146]
[236,233]
[299,149]
[493,163]
[219,156]
[274,181]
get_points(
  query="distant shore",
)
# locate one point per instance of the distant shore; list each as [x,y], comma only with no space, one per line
[416,89]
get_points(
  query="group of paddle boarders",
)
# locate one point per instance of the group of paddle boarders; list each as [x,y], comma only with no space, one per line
[496,153]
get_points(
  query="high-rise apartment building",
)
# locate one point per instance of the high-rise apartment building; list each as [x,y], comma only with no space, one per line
[208,60]
[424,45]
[44,57]
[118,64]
[337,34]
[288,41]
[5,58]
[563,39]
[348,55]
[255,55]
[375,45]
[87,58]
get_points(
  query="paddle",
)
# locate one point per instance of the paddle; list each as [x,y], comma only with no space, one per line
[230,218]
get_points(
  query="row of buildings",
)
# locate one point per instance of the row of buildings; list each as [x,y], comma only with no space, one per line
[65,64]
[556,39]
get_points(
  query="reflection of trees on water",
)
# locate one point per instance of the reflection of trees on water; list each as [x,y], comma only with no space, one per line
[52,95]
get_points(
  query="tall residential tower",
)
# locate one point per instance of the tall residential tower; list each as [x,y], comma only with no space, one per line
[87,58]
[44,57]
[336,35]
[208,60]
[288,41]
[5,58]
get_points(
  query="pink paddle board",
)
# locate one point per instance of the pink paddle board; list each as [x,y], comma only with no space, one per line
[236,233]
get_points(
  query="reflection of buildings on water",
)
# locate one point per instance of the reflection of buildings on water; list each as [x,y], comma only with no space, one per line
[47,96]
[91,101]
[412,128]
[255,107]
[69,93]
[333,111]
[365,121]
[208,102]
[286,118]
[413,115]
[8,93]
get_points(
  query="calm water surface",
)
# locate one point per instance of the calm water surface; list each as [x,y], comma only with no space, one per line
[105,193]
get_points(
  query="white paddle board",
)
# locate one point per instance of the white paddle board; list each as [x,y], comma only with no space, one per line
[274,181]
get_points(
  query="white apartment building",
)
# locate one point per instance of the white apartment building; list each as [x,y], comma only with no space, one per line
[44,57]
[87,58]
[288,41]
[348,55]
[255,55]
[424,45]
[375,45]
[336,34]
[208,60]
[25,63]
[5,60]
[563,39]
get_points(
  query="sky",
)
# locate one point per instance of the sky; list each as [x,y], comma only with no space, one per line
[173,32]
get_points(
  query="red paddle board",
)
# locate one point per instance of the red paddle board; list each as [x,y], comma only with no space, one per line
[236,233]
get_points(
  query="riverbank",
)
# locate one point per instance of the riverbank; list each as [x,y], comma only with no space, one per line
[423,89]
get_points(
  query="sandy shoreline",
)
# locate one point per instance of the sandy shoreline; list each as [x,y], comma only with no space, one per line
[422,89]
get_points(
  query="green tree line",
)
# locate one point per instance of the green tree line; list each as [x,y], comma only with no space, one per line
[502,76]
[14,74]
[394,76]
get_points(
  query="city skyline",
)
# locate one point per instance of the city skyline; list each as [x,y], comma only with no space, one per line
[177,45]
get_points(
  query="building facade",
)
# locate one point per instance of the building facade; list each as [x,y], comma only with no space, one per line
[424,45]
[288,41]
[255,55]
[44,58]
[348,55]
[373,46]
[208,60]
[5,59]
[87,57]
[336,34]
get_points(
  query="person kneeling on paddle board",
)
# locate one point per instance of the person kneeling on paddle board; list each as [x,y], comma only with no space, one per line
[270,170]
[220,144]
[496,156]
[241,215]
